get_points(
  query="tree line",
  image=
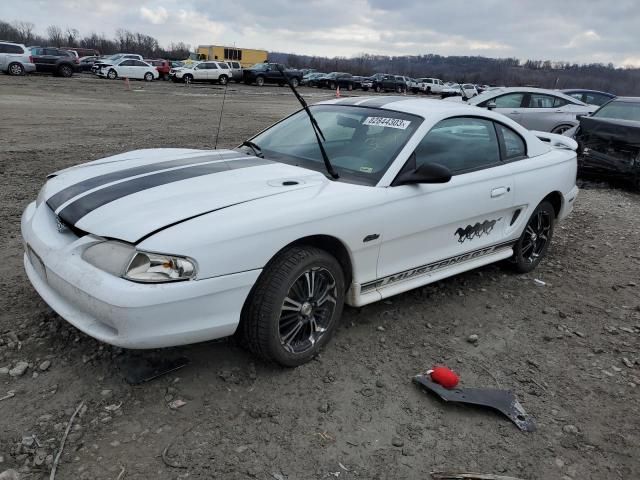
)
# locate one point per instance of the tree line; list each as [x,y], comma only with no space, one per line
[124,40]
[479,70]
[465,69]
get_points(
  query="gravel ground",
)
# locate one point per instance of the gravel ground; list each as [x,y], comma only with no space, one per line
[568,349]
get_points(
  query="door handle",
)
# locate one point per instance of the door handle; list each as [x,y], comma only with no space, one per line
[515,112]
[498,192]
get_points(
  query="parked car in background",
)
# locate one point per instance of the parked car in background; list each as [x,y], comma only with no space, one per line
[112,59]
[609,141]
[334,80]
[210,71]
[456,89]
[312,79]
[15,59]
[83,52]
[176,64]
[535,108]
[590,97]
[129,68]
[382,82]
[55,60]
[262,73]
[236,70]
[431,85]
[162,66]
[413,85]
[87,63]
[357,81]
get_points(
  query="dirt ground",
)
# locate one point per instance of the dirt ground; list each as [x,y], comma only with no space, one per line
[569,349]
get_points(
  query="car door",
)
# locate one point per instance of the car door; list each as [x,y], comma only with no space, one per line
[139,68]
[509,104]
[429,223]
[124,68]
[542,112]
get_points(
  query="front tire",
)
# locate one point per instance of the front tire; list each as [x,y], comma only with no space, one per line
[560,129]
[295,82]
[223,80]
[534,242]
[294,307]
[260,81]
[112,74]
[16,69]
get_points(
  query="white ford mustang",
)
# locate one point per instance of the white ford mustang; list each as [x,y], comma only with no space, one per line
[162,247]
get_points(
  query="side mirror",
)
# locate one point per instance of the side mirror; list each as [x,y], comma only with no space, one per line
[580,115]
[491,105]
[425,173]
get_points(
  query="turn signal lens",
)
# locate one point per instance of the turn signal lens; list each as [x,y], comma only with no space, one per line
[154,268]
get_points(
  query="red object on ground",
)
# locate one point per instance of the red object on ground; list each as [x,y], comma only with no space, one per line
[445,377]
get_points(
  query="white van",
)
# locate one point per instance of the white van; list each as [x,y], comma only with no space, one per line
[15,59]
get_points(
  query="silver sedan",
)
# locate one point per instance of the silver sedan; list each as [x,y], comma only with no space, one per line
[535,108]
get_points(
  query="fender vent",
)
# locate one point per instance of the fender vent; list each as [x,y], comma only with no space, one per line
[289,183]
[516,214]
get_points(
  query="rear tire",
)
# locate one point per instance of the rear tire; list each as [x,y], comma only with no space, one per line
[15,69]
[377,89]
[534,242]
[65,71]
[294,307]
[350,87]
[295,82]
[223,80]
[148,77]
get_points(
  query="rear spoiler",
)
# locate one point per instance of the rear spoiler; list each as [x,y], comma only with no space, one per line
[557,141]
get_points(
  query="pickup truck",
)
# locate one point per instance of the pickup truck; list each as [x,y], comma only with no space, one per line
[431,85]
[262,73]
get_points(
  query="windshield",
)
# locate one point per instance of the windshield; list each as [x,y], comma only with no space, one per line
[361,142]
[620,110]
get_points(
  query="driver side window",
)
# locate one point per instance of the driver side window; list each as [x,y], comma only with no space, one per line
[461,144]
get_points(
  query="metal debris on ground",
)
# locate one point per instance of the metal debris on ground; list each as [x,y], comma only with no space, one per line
[504,401]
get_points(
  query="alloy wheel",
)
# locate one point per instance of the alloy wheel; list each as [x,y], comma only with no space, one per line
[307,310]
[536,236]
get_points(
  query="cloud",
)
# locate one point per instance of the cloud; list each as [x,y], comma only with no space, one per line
[156,16]
[577,31]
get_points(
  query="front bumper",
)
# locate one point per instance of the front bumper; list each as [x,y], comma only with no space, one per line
[568,203]
[120,312]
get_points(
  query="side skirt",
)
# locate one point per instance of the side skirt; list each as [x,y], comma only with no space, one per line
[370,292]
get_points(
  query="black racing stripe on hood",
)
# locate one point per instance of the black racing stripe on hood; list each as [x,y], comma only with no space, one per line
[66,194]
[73,212]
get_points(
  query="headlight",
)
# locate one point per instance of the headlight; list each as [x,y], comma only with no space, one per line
[123,260]
[155,268]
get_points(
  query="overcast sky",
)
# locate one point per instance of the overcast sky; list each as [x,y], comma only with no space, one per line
[571,30]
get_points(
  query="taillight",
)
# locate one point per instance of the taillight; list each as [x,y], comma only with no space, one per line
[30,59]
[77,60]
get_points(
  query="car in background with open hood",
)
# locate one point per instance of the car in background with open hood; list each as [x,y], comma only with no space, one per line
[609,141]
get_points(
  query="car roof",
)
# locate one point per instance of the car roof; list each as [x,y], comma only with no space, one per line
[586,90]
[545,91]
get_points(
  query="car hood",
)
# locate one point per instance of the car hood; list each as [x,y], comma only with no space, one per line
[131,196]
[610,130]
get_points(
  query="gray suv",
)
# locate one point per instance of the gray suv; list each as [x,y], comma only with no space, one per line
[15,59]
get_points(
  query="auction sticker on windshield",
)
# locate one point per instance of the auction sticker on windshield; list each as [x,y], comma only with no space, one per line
[387,122]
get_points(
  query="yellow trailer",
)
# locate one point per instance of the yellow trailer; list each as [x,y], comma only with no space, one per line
[246,56]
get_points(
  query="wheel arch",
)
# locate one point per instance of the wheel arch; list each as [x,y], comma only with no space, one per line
[556,199]
[329,244]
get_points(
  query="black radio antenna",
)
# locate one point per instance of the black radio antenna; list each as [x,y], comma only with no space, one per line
[224,97]
[314,125]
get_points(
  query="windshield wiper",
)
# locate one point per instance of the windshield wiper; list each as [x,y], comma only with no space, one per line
[314,124]
[253,146]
